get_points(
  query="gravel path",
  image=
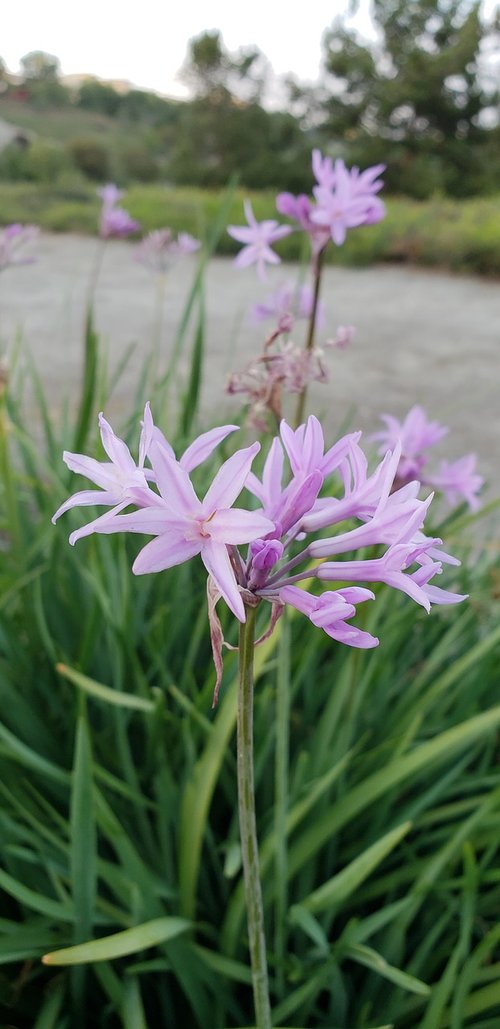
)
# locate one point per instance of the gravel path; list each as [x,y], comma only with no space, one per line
[422,337]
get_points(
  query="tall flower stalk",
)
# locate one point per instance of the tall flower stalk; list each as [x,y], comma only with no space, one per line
[156,497]
[343,199]
[248,824]
[317,268]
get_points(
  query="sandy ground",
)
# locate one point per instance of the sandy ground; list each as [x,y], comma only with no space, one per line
[422,337]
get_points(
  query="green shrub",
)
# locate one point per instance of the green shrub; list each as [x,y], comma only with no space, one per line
[91,157]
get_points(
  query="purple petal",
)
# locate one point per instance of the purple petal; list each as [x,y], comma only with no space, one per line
[230,479]
[300,599]
[173,482]
[233,526]
[216,560]
[102,473]
[151,521]
[165,551]
[351,636]
[203,446]
[84,499]
[116,449]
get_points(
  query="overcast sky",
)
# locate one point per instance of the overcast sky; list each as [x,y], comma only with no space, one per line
[146,42]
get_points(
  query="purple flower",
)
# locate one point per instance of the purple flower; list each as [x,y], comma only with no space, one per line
[330,612]
[347,205]
[288,300]
[159,249]
[344,199]
[281,552]
[458,480]
[110,194]
[301,209]
[416,434]
[13,239]
[186,526]
[114,221]
[121,481]
[257,238]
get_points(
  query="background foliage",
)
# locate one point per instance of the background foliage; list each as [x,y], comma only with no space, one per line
[377,776]
[423,98]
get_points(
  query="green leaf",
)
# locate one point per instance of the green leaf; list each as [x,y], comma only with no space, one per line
[105,693]
[130,941]
[36,901]
[83,839]
[371,959]
[334,892]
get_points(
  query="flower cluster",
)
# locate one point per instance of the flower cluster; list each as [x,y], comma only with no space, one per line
[14,240]
[114,221]
[343,199]
[458,480]
[159,249]
[281,552]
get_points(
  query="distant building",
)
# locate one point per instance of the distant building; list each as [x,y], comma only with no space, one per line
[13,135]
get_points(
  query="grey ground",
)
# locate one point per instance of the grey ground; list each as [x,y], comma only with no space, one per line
[422,337]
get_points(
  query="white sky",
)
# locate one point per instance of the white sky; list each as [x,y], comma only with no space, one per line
[146,42]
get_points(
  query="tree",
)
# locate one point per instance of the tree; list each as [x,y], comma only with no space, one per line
[416,97]
[40,72]
[215,74]
[225,130]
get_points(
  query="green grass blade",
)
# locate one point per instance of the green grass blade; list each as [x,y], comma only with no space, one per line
[105,693]
[334,892]
[371,959]
[118,945]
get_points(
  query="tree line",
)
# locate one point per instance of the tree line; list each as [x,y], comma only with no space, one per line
[423,98]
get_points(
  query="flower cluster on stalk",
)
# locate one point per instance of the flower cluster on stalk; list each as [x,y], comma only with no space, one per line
[343,199]
[457,480]
[114,221]
[15,243]
[298,531]
[282,367]
[160,249]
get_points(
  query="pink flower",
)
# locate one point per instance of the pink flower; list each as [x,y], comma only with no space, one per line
[330,612]
[344,199]
[13,239]
[114,221]
[159,250]
[110,194]
[281,554]
[186,526]
[288,300]
[416,434]
[458,480]
[347,205]
[257,239]
[121,481]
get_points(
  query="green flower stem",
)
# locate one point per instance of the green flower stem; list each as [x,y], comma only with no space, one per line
[281,800]
[248,828]
[317,272]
